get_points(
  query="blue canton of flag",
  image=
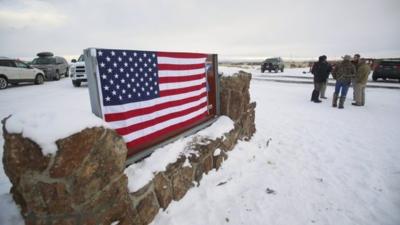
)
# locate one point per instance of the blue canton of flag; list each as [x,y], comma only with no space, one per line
[127,76]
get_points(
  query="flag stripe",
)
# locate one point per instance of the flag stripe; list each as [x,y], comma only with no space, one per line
[160,126]
[142,140]
[180,61]
[138,126]
[173,79]
[170,86]
[148,103]
[181,55]
[181,90]
[180,73]
[180,67]
[125,117]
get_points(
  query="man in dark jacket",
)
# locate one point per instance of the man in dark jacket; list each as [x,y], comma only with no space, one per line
[344,72]
[321,71]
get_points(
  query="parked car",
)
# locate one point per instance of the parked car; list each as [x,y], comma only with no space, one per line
[387,69]
[77,71]
[53,66]
[14,71]
[272,64]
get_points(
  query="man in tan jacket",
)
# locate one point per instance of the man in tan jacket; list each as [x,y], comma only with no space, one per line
[361,78]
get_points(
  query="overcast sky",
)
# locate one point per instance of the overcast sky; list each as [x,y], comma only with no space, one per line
[230,28]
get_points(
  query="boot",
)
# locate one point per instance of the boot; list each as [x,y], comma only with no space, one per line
[341,102]
[334,100]
[314,96]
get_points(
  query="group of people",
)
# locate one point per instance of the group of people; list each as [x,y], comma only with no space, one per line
[350,71]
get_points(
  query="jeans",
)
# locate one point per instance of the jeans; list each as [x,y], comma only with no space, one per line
[343,87]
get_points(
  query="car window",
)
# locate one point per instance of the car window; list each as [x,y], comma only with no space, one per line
[6,63]
[81,59]
[44,61]
[390,63]
[21,65]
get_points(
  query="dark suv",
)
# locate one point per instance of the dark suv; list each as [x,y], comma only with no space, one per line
[53,66]
[272,64]
[387,69]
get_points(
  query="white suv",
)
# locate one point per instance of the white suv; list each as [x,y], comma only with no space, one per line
[14,71]
[78,72]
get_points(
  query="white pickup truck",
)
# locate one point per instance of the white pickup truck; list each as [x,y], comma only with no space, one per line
[78,72]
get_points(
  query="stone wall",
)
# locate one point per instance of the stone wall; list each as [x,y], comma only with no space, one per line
[84,182]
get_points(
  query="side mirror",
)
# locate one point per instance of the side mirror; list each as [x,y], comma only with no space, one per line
[73,60]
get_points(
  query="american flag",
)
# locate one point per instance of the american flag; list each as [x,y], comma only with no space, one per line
[150,94]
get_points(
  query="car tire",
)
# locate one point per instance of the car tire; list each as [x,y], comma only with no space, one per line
[76,83]
[39,79]
[269,71]
[57,76]
[262,71]
[3,83]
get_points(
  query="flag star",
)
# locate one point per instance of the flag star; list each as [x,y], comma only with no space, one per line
[131,69]
[112,53]
[124,53]
[121,69]
[155,92]
[106,88]
[155,74]
[108,99]
[115,64]
[114,92]
[140,59]
[104,76]
[119,59]
[145,64]
[127,75]
[109,70]
[108,59]
[111,82]
[134,54]
[154,55]
[136,74]
[120,97]
[141,79]
[154,65]
[142,88]
[147,93]
[151,79]
[117,87]
[150,70]
[102,64]
[100,53]
[145,74]
[123,91]
[126,64]
[136,65]
[134,89]
[138,94]
[129,96]
[116,76]
[147,84]
[141,69]
[137,84]
[123,81]
[133,80]
[130,59]
[145,55]
[151,88]
[129,85]
[149,60]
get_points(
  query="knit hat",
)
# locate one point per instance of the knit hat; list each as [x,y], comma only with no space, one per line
[346,57]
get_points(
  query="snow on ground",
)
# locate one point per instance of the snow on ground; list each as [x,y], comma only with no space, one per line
[307,163]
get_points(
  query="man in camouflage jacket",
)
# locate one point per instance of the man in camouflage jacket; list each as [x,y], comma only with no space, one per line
[360,81]
[343,73]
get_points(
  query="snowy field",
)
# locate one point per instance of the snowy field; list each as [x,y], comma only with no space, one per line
[307,163]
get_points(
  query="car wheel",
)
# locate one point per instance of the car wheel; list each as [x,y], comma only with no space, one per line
[76,83]
[57,76]
[374,77]
[39,79]
[3,83]
[269,71]
[262,71]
